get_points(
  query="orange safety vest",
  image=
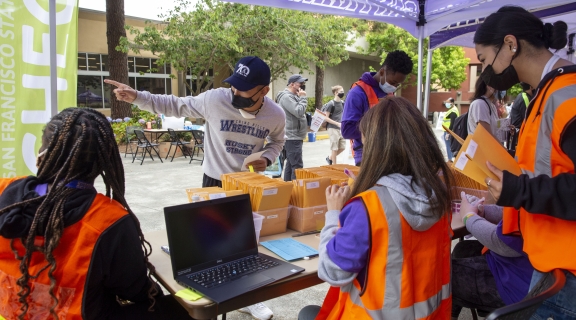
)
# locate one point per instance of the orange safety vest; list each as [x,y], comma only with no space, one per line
[408,271]
[372,101]
[548,241]
[73,256]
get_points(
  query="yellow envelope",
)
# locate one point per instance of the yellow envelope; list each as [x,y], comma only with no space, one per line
[487,148]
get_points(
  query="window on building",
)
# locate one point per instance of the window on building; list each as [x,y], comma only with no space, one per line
[89,92]
[475,71]
[93,69]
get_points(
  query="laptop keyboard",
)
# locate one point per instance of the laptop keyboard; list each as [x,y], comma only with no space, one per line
[231,271]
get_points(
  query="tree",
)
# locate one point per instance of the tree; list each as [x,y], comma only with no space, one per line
[328,36]
[117,60]
[448,63]
[217,34]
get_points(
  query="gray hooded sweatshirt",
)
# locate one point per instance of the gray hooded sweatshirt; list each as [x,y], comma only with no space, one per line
[413,205]
[295,108]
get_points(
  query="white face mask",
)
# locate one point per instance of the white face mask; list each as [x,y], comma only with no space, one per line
[41,154]
[448,104]
[246,115]
[386,87]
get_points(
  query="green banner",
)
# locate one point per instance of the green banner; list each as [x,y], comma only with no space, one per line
[25,76]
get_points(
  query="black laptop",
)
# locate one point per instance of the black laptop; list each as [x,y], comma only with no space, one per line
[214,251]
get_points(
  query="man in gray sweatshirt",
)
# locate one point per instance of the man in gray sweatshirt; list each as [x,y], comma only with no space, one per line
[239,121]
[293,100]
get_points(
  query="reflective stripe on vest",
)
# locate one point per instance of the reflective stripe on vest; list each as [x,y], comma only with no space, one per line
[397,286]
[73,257]
[539,153]
[526,100]
[446,121]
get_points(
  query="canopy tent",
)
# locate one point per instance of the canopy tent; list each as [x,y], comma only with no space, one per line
[421,18]
[462,33]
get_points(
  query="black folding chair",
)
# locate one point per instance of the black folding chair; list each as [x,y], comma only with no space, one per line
[175,141]
[550,284]
[130,139]
[198,136]
[146,146]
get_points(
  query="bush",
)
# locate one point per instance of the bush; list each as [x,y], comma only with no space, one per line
[119,125]
[311,101]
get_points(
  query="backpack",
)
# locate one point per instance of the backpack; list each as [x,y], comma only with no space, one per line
[325,108]
[460,128]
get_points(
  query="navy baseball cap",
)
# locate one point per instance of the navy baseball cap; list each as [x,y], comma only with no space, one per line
[249,72]
[296,78]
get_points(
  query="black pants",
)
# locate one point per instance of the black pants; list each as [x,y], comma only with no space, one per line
[473,284]
[210,182]
[293,158]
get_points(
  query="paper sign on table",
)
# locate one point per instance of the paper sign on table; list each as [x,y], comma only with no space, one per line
[251,158]
[317,120]
[289,249]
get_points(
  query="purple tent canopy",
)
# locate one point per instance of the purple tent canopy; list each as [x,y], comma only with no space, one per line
[462,33]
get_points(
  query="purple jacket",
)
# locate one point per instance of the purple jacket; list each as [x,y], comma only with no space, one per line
[355,106]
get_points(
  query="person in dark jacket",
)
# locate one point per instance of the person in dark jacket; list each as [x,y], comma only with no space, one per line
[67,251]
[518,113]
[386,81]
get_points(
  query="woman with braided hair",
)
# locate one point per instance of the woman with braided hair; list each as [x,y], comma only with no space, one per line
[67,251]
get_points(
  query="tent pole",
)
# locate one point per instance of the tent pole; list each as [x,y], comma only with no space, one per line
[420,56]
[427,87]
[53,61]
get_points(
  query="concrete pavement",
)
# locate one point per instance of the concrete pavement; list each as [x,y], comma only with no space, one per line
[152,186]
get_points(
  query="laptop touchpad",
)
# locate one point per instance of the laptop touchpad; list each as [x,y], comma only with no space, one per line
[252,281]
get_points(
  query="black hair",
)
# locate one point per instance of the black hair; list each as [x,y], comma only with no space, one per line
[525,86]
[451,100]
[80,145]
[480,90]
[516,21]
[398,61]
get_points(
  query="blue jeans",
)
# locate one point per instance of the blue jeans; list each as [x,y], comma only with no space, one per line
[447,142]
[560,306]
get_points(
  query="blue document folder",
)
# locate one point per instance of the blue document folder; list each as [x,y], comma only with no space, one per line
[289,249]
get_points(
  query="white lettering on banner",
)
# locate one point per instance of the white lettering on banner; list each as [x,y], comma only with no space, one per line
[39,58]
[62,17]
[40,82]
[7,89]
[28,152]
[8,154]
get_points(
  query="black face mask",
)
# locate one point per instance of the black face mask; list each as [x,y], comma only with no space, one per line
[303,87]
[239,102]
[501,81]
[341,95]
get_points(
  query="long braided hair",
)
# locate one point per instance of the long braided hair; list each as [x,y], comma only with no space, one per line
[79,145]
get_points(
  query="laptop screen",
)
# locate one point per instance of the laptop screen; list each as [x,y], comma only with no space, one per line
[205,233]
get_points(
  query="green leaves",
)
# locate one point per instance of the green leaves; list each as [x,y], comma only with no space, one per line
[214,35]
[448,63]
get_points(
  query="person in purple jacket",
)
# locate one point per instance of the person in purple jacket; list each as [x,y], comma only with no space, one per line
[489,272]
[392,73]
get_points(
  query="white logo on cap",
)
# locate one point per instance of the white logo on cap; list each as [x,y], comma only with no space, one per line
[243,70]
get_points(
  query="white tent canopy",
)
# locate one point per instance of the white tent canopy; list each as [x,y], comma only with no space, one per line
[421,18]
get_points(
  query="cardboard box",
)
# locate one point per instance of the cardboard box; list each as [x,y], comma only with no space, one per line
[210,193]
[307,219]
[275,221]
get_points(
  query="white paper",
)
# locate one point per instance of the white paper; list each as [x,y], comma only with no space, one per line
[472,147]
[213,196]
[313,185]
[317,120]
[462,161]
[251,158]
[269,192]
